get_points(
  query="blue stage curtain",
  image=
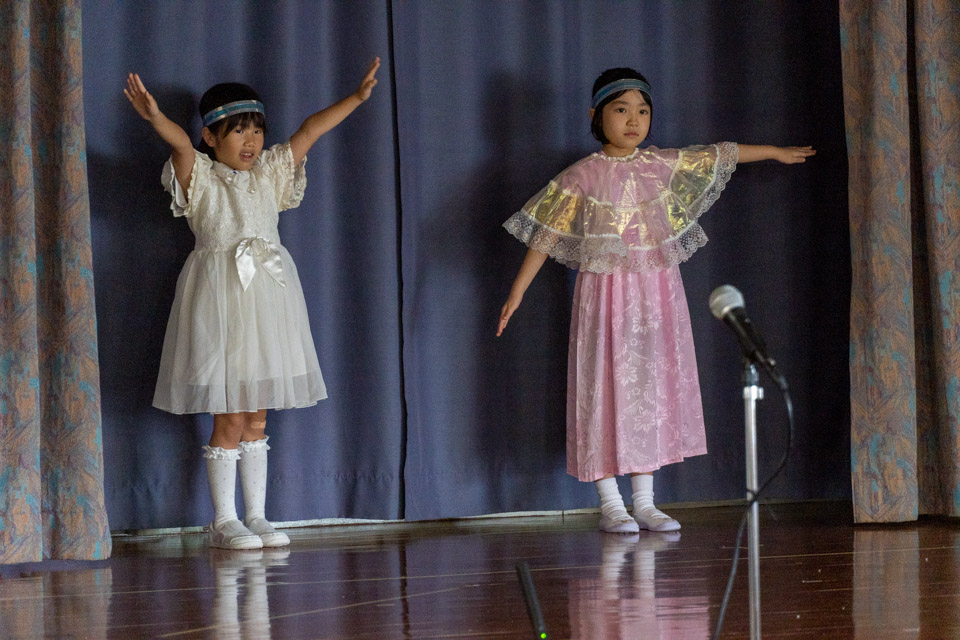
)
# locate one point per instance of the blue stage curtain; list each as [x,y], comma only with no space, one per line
[901,71]
[341,457]
[493,101]
[405,266]
[51,466]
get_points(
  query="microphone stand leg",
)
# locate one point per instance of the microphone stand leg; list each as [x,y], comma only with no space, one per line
[751,393]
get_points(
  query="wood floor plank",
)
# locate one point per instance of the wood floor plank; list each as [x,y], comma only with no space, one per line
[821,577]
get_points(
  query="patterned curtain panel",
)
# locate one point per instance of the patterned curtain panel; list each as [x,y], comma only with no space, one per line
[51,467]
[901,84]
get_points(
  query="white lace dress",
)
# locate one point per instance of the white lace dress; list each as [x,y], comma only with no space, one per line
[633,394]
[238,338]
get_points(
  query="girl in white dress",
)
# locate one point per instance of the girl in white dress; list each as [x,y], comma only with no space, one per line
[626,217]
[238,340]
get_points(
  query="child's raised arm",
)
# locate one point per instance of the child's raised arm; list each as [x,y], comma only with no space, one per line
[322,121]
[531,265]
[786,155]
[172,133]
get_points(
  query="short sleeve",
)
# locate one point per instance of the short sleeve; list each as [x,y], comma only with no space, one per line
[700,174]
[289,180]
[552,221]
[184,204]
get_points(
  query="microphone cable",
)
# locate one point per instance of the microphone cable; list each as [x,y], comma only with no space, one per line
[753,498]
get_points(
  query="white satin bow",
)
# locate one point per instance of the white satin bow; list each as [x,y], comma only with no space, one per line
[255,250]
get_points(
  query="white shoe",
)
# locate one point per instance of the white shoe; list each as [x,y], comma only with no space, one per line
[268,535]
[655,520]
[232,535]
[625,524]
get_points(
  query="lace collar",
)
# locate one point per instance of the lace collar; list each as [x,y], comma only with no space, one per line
[237,179]
[632,156]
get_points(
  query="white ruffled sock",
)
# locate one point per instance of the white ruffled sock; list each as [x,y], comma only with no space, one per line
[222,478]
[253,477]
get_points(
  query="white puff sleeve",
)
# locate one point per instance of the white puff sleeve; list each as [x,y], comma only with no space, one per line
[185,204]
[289,180]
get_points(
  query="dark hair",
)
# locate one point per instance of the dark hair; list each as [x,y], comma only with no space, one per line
[225,93]
[608,76]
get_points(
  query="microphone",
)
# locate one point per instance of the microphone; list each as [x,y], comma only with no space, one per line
[726,304]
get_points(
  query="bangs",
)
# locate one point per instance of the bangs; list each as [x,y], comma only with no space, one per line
[242,120]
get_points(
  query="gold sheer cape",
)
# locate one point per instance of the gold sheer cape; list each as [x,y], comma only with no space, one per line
[637,213]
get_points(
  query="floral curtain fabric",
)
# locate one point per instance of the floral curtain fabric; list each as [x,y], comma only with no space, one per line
[901,68]
[51,467]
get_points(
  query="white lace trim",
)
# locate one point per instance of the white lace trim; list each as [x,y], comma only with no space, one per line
[254,445]
[728,154]
[219,453]
[605,254]
[294,182]
[609,158]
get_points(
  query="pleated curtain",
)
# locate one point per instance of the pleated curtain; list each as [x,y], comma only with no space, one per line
[51,467]
[901,85]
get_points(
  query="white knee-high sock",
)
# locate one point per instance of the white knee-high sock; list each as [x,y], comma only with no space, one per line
[222,478]
[611,502]
[253,477]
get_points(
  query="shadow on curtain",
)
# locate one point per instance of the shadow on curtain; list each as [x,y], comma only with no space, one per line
[51,467]
[901,68]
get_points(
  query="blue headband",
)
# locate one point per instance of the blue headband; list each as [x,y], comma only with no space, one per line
[619,85]
[240,106]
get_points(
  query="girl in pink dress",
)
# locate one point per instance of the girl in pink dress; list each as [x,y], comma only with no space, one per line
[626,217]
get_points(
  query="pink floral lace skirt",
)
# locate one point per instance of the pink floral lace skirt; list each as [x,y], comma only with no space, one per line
[633,394]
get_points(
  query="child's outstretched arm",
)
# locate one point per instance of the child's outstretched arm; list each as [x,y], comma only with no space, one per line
[172,133]
[322,121]
[531,265]
[786,155]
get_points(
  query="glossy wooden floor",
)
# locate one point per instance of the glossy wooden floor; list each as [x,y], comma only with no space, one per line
[821,578]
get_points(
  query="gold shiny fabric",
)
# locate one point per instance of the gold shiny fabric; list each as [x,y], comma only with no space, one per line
[637,213]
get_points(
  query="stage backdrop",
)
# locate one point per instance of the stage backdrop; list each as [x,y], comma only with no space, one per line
[405,266]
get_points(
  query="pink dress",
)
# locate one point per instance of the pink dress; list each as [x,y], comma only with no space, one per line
[633,395]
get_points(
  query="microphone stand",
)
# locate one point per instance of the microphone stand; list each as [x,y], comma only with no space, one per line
[752,391]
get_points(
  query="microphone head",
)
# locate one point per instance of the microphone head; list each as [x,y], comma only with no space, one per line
[724,299]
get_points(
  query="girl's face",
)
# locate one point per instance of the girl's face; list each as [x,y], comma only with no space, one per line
[626,122]
[237,148]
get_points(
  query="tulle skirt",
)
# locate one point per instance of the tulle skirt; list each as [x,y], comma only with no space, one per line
[633,394]
[227,350]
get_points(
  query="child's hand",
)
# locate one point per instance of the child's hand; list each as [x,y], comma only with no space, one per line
[140,98]
[368,82]
[508,308]
[793,155]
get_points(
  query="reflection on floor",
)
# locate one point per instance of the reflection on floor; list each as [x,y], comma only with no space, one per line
[821,577]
